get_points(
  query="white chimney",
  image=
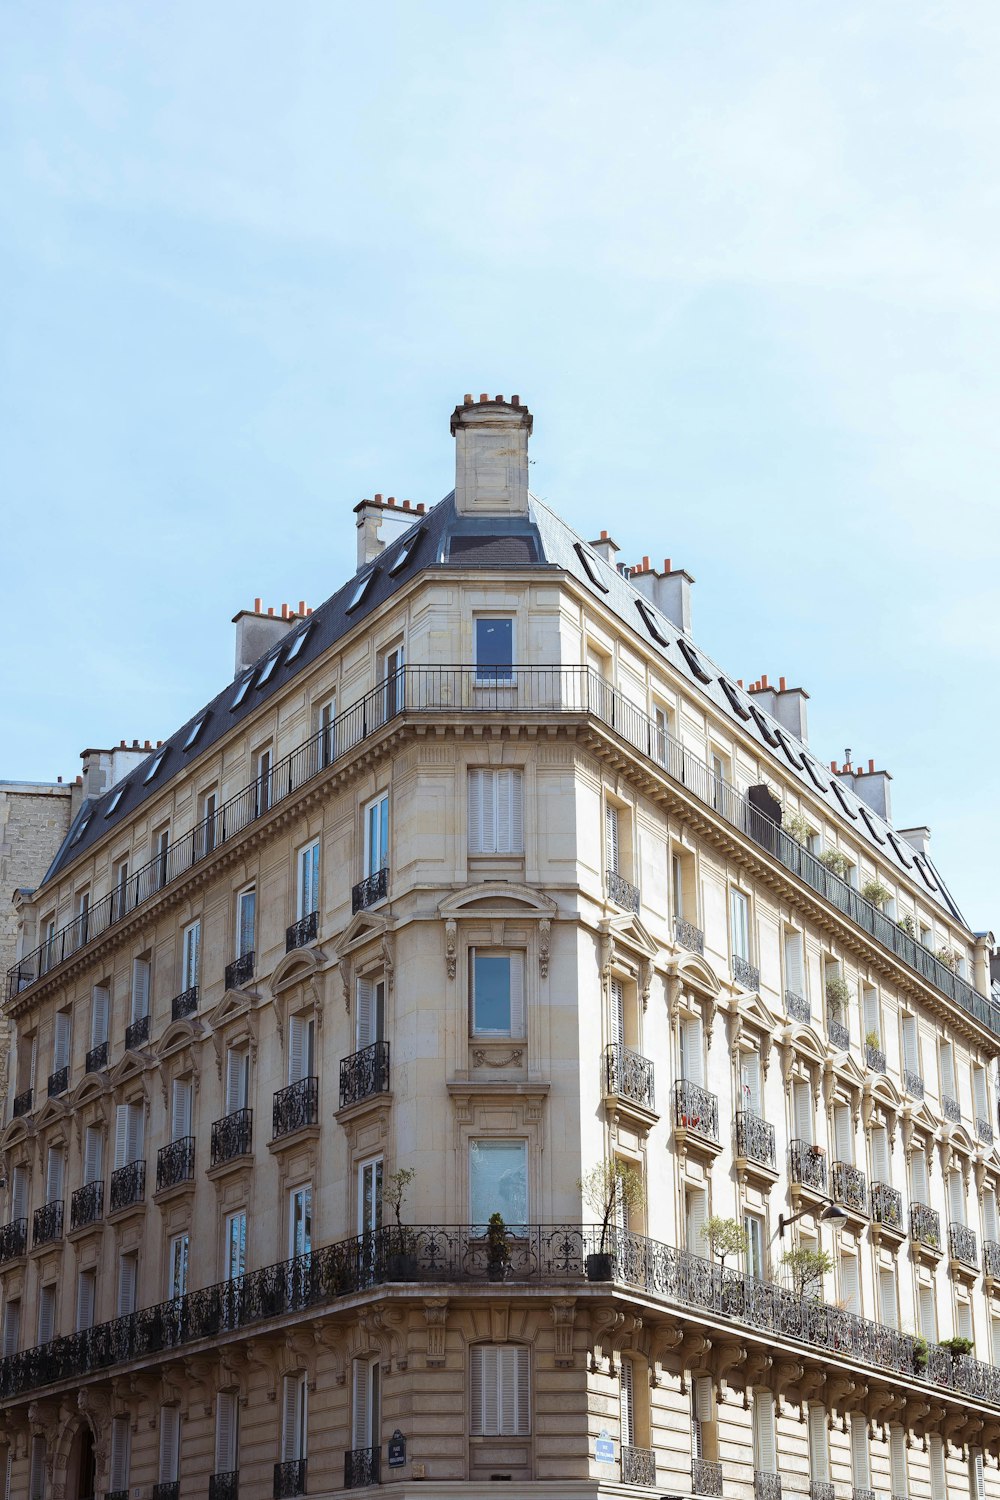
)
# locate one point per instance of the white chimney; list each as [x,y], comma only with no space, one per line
[787,705]
[873,788]
[380,522]
[670,591]
[918,838]
[258,631]
[606,548]
[491,456]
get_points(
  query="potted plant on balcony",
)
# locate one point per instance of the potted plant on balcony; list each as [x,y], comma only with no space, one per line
[921,1354]
[872,1040]
[905,924]
[796,825]
[838,995]
[609,1187]
[956,1346]
[948,956]
[402,1259]
[806,1269]
[497,1248]
[725,1237]
[875,892]
[836,862]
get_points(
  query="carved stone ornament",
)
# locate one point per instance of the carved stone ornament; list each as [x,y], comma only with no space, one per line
[544,934]
[436,1318]
[482,1059]
[563,1318]
[451,946]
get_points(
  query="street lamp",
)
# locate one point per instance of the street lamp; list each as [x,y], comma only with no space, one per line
[831,1212]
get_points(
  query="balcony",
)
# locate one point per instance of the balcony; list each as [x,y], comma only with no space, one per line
[167,1489]
[875,1058]
[913,1084]
[628,1076]
[136,1033]
[87,1205]
[22,1103]
[766,1486]
[622,893]
[984,1130]
[696,1110]
[116,1494]
[364,1074]
[951,1109]
[839,1034]
[128,1186]
[862,1493]
[175,1163]
[746,974]
[232,1136]
[302,932]
[362,1466]
[184,1004]
[58,1082]
[290,1479]
[754,1138]
[822,1489]
[370,890]
[638,1466]
[798,1007]
[807,1165]
[925,1226]
[706,1478]
[887,1206]
[689,936]
[962,1244]
[224,1486]
[240,971]
[296,1107]
[97,1057]
[850,1186]
[991,1260]
[47,1224]
[13,1240]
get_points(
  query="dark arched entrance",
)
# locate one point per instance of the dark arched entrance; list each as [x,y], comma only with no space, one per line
[81,1477]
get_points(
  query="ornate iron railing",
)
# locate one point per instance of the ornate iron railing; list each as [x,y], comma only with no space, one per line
[839,1034]
[875,1058]
[706,1477]
[862,1492]
[302,932]
[296,1106]
[638,1466]
[128,1186]
[887,1205]
[850,1186]
[290,1479]
[184,1004]
[116,1494]
[628,1075]
[689,936]
[766,1486]
[754,1138]
[798,1007]
[991,1259]
[47,1223]
[807,1165]
[86,1206]
[97,1058]
[136,1032]
[745,973]
[622,892]
[232,1136]
[167,1489]
[373,888]
[962,1244]
[58,1082]
[362,1466]
[22,1103]
[913,1084]
[822,1489]
[951,1109]
[925,1225]
[696,1109]
[224,1486]
[175,1163]
[240,971]
[13,1240]
[364,1073]
[984,1131]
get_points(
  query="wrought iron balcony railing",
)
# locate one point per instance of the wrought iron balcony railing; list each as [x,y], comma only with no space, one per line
[22,1103]
[184,1004]
[86,1206]
[706,1478]
[136,1032]
[362,1466]
[290,1479]
[47,1223]
[822,1489]
[925,1225]
[689,936]
[296,1107]
[58,1082]
[116,1494]
[839,1034]
[875,1058]
[638,1466]
[364,1073]
[128,1186]
[97,1058]
[991,1259]
[951,1109]
[887,1205]
[224,1486]
[696,1109]
[913,1084]
[13,1240]
[862,1492]
[807,1165]
[798,1007]
[962,1244]
[373,888]
[754,1138]
[745,973]
[628,1075]
[240,971]
[302,932]
[623,893]
[766,1486]
[232,1136]
[167,1489]
[175,1163]
[850,1186]
[984,1131]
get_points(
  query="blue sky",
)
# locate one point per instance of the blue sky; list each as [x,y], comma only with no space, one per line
[741,260]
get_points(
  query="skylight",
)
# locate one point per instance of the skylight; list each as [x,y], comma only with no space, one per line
[591,567]
[925,872]
[789,749]
[267,671]
[764,726]
[651,623]
[818,779]
[116,797]
[872,826]
[838,792]
[904,858]
[154,768]
[241,691]
[194,732]
[85,824]
[407,552]
[694,661]
[298,643]
[735,699]
[360,590]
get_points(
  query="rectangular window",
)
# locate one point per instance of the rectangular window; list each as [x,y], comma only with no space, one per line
[391,673]
[36,1476]
[93,1153]
[494,651]
[178,1257]
[764,1448]
[927,1312]
[887,1301]
[956,1197]
[190,956]
[703,1444]
[498,1181]
[963,1320]
[120,899]
[501,1398]
[161,856]
[739,921]
[911,1045]
[612,843]
[86,1298]
[236,1245]
[803,1110]
[11,1326]
[850,1284]
[140,988]
[210,818]
[47,1313]
[946,1070]
[795,969]
[977,1477]
[695,1216]
[19,1185]
[870,1015]
[170,1444]
[370,1018]
[300,1220]
[496,812]
[264,787]
[626,1404]
[237,1078]
[751,1094]
[691,1037]
[100,1014]
[860,1464]
[246,921]
[843,1133]
[181,1107]
[990,1231]
[981,1093]
[327,732]
[307,897]
[62,1038]
[301,1036]
[226,1432]
[370,1196]
[897,1460]
[753,1225]
[377,835]
[54,1163]
[366,1416]
[819,1444]
[497,993]
[881,1171]
[294,1420]
[128,1134]
[919,1192]
[935,1452]
[128,1278]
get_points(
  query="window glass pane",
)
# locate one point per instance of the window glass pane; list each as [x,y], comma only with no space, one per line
[498,1173]
[495,649]
[491,988]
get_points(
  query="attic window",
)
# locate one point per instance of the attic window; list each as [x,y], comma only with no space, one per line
[241,691]
[764,726]
[194,732]
[154,768]
[651,622]
[904,858]
[267,671]
[298,643]
[818,779]
[838,792]
[360,590]
[790,751]
[590,567]
[735,699]
[85,824]
[925,874]
[406,552]
[116,797]
[694,661]
[872,826]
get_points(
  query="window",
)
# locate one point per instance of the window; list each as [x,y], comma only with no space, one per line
[691,1036]
[819,1444]
[626,1403]
[241,692]
[237,1078]
[498,1181]
[870,1014]
[93,1153]
[897,1460]
[300,1220]
[501,1398]
[497,993]
[494,651]
[695,1215]
[946,1071]
[704,1440]
[591,567]
[154,767]
[194,732]
[226,1432]
[298,641]
[888,1306]
[739,921]
[236,1244]
[327,732]
[190,955]
[850,1284]
[19,1185]
[406,551]
[751,1094]
[392,681]
[161,856]
[935,1451]
[128,1134]
[977,1478]
[881,1158]
[366,1415]
[47,1313]
[120,896]
[264,786]
[140,988]
[82,917]
[860,1464]
[178,1256]
[360,589]
[36,1476]
[927,1312]
[54,1164]
[918,1176]
[128,1278]
[181,1106]
[683,898]
[209,821]
[990,1231]
[611,839]
[11,1326]
[764,1448]
[267,670]
[802,1106]
[843,1133]
[652,622]
[956,1197]
[293,1417]
[170,1444]
[496,812]
[370,1011]
[661,733]
[301,1039]
[981,1093]
[246,921]
[86,1296]
[100,1013]
[370,1196]
[753,1226]
[307,898]
[116,797]
[49,953]
[911,1045]
[377,835]
[62,1037]
[963,1320]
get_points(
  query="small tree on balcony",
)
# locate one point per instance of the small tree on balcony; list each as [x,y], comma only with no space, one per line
[905,924]
[836,862]
[875,892]
[838,993]
[796,825]
[725,1237]
[806,1269]
[610,1187]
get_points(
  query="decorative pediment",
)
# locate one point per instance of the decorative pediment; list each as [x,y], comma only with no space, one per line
[18,1133]
[885,1093]
[919,1127]
[52,1112]
[960,1140]
[129,1070]
[753,1012]
[366,940]
[91,1086]
[501,898]
[847,1073]
[691,972]
[297,967]
[179,1034]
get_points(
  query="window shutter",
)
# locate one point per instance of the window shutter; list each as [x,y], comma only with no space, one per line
[361,1417]
[702,1397]
[54,1174]
[859,1451]
[170,1440]
[19,1193]
[611,837]
[296,1048]
[763,1431]
[85,1289]
[871,1011]
[504,795]
[850,1285]
[36,1480]
[140,988]
[248,912]
[180,1109]
[11,1327]
[911,1060]
[697,1212]
[995,1339]
[46,1314]
[627,1412]
[133,1133]
[93,1151]
[803,1111]
[946,1063]
[490,1390]
[843,1130]
[977,1478]
[982,1100]
[476,1379]
[290,1418]
[918,1176]
[225,1432]
[61,1041]
[880,1154]
[897,1460]
[479,788]
[739,913]
[794,975]
[956,1197]
[928,1313]
[516,814]
[121,1135]
[964,1320]
[617,1011]
[512,1364]
[691,1039]
[935,1448]
[127,1269]
[887,1299]
[819,1446]
[366,1013]
[990,1214]
[237,1063]
[517,994]
[750,1079]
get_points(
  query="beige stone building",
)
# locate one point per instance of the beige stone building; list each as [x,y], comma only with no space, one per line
[484,872]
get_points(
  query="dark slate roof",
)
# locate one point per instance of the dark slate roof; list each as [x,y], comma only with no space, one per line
[541,539]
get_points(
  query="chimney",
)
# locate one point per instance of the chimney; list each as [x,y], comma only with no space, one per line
[670,591]
[787,705]
[257,633]
[918,838]
[606,548]
[491,456]
[96,773]
[381,522]
[871,786]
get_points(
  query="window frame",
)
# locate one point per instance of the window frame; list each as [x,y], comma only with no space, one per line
[503,674]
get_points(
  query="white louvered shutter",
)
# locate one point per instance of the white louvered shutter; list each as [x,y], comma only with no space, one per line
[911,1051]
[134,1133]
[870,1002]
[897,1460]
[981,1091]
[46,1314]
[517,994]
[361,1411]
[765,1457]
[366,1013]
[225,1432]
[611,838]
[956,1197]
[963,1313]
[977,1478]
[850,1284]
[86,1288]
[626,1404]
[180,1109]
[61,1040]
[509,812]
[93,1153]
[794,967]
[11,1327]
[248,921]
[36,1477]
[127,1277]
[697,1213]
[140,988]
[19,1193]
[939,1483]
[860,1465]
[120,1432]
[843,1130]
[750,1082]
[989,1214]
[170,1443]
[292,1413]
[880,1154]
[481,823]
[888,1310]
[692,1063]
[100,1010]
[617,1011]
[54,1162]
[995,1340]
[237,1067]
[918,1176]
[946,1063]
[513,1396]
[819,1445]
[803,1111]
[121,1135]
[928,1312]
[296,1048]
[702,1408]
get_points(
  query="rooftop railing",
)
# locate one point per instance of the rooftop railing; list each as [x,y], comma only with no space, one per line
[542,690]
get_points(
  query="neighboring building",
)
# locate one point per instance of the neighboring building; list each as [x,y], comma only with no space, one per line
[485,872]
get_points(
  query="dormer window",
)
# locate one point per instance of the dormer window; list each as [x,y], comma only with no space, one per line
[154,768]
[652,624]
[241,692]
[194,731]
[116,797]
[406,552]
[267,671]
[591,567]
[295,648]
[84,825]
[360,590]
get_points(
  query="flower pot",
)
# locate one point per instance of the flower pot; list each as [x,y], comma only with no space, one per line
[599,1267]
[402,1267]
